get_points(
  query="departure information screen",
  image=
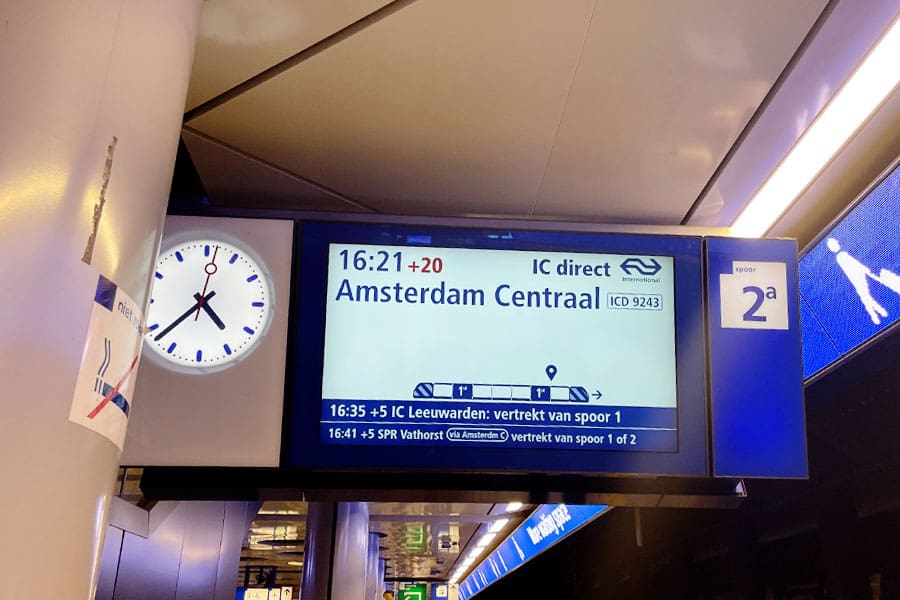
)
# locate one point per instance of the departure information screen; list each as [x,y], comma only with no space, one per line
[461,347]
[435,349]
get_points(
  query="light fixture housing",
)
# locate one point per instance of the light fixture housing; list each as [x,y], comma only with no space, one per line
[873,80]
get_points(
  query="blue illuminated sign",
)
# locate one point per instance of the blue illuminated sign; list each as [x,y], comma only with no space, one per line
[850,279]
[545,527]
[755,374]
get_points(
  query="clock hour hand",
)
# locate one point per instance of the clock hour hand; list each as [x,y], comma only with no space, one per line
[208,310]
[184,316]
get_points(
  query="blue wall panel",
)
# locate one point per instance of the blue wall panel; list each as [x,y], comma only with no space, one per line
[756,379]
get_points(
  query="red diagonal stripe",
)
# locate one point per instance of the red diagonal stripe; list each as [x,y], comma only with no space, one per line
[114,391]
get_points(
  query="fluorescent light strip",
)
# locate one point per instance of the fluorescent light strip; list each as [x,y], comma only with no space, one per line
[483,543]
[498,525]
[867,87]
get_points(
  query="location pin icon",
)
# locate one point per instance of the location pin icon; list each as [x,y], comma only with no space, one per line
[551,371]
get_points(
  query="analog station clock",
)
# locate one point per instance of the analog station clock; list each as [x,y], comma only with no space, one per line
[211,304]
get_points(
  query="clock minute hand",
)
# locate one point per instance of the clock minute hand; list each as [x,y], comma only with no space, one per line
[184,316]
[209,311]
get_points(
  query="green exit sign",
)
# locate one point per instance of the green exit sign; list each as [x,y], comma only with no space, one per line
[412,592]
[414,539]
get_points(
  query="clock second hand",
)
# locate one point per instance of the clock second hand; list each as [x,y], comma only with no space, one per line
[209,268]
[184,316]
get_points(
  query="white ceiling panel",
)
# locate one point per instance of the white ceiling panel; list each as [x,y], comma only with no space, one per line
[238,39]
[606,111]
[662,91]
[233,179]
[445,107]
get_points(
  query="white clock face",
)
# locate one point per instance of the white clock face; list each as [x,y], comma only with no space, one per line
[211,304]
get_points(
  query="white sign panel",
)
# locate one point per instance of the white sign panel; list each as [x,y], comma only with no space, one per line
[754,296]
[282,593]
[524,349]
[105,384]
[499,319]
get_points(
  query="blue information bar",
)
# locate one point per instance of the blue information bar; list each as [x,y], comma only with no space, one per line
[499,424]
[545,527]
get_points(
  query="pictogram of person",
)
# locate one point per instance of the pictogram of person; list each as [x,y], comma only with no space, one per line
[859,275]
[888,279]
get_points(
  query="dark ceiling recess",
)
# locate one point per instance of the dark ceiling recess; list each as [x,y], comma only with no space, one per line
[188,194]
[833,536]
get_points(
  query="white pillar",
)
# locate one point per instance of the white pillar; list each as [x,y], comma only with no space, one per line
[379,583]
[351,541]
[90,111]
[372,568]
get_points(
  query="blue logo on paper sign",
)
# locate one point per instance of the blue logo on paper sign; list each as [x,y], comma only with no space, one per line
[105,295]
[638,266]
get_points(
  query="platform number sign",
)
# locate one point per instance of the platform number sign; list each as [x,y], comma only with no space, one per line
[754,296]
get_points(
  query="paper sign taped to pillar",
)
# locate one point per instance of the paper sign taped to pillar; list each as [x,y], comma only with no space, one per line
[105,385]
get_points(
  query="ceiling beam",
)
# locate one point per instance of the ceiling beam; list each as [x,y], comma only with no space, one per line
[292,61]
